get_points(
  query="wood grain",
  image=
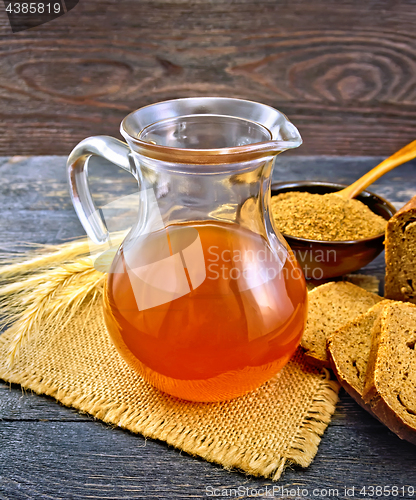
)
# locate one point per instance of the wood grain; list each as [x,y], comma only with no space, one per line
[343,70]
[48,451]
[78,460]
[35,205]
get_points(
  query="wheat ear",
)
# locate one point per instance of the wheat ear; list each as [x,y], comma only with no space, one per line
[47,287]
[39,259]
[66,289]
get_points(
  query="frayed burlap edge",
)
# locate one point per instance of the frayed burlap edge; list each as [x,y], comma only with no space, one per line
[305,443]
[301,450]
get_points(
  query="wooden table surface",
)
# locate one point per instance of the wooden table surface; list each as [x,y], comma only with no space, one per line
[48,451]
[343,70]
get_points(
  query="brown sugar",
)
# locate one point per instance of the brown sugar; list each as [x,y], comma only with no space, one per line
[327,217]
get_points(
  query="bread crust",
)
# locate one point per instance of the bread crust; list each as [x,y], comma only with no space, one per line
[411,204]
[386,415]
[337,358]
[315,360]
[370,392]
[348,388]
[395,288]
[372,395]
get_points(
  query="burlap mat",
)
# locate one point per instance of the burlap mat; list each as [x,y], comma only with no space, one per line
[260,433]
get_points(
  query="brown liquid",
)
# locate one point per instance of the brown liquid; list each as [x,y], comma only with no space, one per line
[226,336]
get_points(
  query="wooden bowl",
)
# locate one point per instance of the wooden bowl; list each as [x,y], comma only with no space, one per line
[327,259]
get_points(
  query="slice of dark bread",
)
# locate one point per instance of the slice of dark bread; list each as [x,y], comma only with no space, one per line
[331,306]
[401,254]
[349,350]
[390,386]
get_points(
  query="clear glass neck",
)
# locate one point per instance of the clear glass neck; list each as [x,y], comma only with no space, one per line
[209,132]
[237,194]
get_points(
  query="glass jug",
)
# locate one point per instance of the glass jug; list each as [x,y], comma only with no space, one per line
[204,299]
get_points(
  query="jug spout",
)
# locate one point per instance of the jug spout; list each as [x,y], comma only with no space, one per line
[209,131]
[284,136]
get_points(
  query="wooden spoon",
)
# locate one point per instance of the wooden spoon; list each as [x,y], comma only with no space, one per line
[402,156]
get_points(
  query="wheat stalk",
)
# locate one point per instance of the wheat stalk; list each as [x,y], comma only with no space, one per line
[65,252]
[46,289]
[64,291]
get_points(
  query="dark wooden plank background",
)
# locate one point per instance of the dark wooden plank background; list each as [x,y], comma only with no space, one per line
[49,452]
[343,70]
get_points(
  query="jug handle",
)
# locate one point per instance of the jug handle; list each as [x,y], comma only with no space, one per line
[111,149]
